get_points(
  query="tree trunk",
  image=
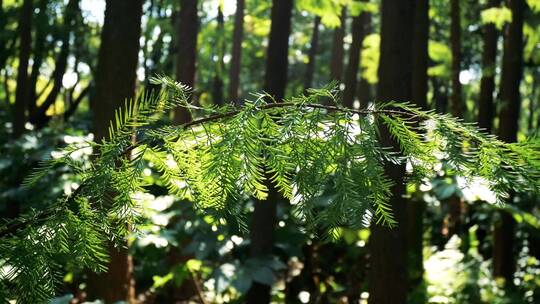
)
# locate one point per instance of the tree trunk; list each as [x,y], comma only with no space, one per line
[236,59]
[115,81]
[440,95]
[512,68]
[187,32]
[456,106]
[419,85]
[312,54]
[39,50]
[388,246]
[419,88]
[278,46]
[336,61]
[75,103]
[217,90]
[21,92]
[39,116]
[264,214]
[358,35]
[3,38]
[487,83]
[365,92]
[365,89]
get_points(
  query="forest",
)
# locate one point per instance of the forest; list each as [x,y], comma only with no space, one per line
[270,151]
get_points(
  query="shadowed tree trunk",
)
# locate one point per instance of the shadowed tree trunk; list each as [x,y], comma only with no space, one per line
[440,95]
[21,92]
[456,106]
[275,79]
[512,68]
[3,36]
[419,88]
[336,60]
[236,53]
[264,214]
[39,116]
[487,83]
[75,103]
[187,31]
[387,246]
[39,50]
[365,92]
[365,89]
[358,35]
[453,220]
[114,82]
[187,27]
[312,54]
[217,90]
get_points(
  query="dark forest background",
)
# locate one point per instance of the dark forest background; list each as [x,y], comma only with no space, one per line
[65,66]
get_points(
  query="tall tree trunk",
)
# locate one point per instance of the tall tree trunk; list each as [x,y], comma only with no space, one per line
[419,88]
[512,69]
[39,50]
[217,90]
[236,59]
[3,38]
[358,35]
[456,105]
[39,116]
[365,89]
[487,83]
[275,79]
[388,247]
[115,81]
[187,27]
[21,92]
[312,54]
[336,60]
[419,85]
[187,32]
[264,214]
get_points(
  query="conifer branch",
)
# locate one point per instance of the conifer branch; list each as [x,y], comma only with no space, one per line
[308,150]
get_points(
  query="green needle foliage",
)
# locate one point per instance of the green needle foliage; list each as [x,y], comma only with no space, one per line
[299,146]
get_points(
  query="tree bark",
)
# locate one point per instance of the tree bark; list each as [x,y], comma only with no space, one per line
[456,106]
[115,81]
[487,83]
[387,246]
[351,74]
[187,32]
[336,61]
[312,54]
[419,88]
[512,69]
[264,214]
[236,59]
[21,92]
